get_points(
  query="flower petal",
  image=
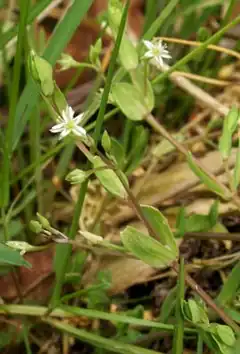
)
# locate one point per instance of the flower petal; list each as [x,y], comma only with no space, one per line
[149,54]
[57,128]
[64,133]
[78,118]
[148,44]
[79,131]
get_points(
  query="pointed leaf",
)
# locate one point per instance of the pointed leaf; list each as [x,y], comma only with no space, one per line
[108,178]
[160,225]
[130,101]
[236,174]
[229,127]
[207,180]
[146,248]
[12,257]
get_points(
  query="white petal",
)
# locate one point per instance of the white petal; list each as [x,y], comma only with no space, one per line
[148,44]
[79,131]
[78,118]
[159,61]
[166,55]
[148,54]
[57,128]
[64,133]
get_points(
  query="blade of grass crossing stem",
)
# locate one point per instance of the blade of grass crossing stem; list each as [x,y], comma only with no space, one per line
[5,188]
[156,25]
[35,149]
[200,344]
[36,10]
[55,47]
[25,333]
[101,113]
[197,51]
[151,12]
[179,327]
[98,341]
[66,250]
[230,287]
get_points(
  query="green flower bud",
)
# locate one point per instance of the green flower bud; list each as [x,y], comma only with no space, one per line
[77,176]
[35,226]
[106,141]
[44,222]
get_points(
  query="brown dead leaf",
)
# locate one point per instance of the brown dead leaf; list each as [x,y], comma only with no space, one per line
[39,274]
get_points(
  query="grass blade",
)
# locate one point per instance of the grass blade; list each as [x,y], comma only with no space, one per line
[55,47]
[24,5]
[230,287]
[179,327]
[100,342]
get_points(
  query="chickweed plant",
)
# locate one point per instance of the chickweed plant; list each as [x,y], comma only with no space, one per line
[135,76]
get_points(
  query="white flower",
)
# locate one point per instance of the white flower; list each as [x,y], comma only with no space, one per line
[157,52]
[67,124]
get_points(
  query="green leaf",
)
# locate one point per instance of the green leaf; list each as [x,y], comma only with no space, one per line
[226,334]
[127,53]
[42,72]
[10,256]
[229,127]
[230,287]
[146,248]
[56,45]
[236,173]
[160,225]
[106,141]
[108,178]
[194,312]
[130,101]
[207,180]
[118,152]
[138,147]
[144,86]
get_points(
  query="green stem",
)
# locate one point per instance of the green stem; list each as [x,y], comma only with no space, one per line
[5,188]
[197,51]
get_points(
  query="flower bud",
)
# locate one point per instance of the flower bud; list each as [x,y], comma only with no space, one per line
[106,141]
[35,226]
[77,176]
[44,222]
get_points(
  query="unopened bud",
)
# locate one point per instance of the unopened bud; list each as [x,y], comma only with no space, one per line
[35,226]
[44,222]
[77,176]
[106,141]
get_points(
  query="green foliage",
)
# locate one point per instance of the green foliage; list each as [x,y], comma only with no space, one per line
[207,179]
[196,222]
[229,127]
[9,256]
[108,178]
[130,101]
[146,248]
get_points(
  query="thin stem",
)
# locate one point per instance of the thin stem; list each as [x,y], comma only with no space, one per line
[197,51]
[160,129]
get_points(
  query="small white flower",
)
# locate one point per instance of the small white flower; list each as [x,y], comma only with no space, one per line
[157,52]
[67,124]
